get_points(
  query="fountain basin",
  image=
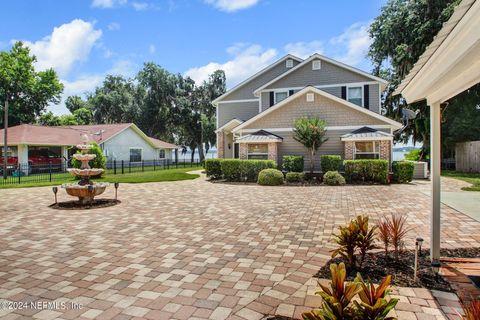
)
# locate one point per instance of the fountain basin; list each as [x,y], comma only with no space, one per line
[87,192]
[84,157]
[85,172]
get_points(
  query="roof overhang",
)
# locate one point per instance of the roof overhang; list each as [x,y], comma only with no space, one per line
[451,63]
[261,136]
[230,125]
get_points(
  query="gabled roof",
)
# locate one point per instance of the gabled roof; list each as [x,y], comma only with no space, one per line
[162,144]
[241,84]
[30,134]
[448,26]
[230,125]
[317,56]
[305,90]
[366,133]
[260,136]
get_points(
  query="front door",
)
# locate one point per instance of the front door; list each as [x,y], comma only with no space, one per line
[236,151]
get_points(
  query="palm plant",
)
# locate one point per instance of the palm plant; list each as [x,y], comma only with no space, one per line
[398,230]
[310,131]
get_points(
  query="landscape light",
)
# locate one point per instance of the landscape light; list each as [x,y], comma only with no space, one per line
[55,190]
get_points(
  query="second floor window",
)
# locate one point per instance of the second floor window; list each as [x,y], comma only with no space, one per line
[281,95]
[354,95]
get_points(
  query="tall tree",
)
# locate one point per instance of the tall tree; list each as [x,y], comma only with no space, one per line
[29,92]
[400,35]
[310,131]
[74,103]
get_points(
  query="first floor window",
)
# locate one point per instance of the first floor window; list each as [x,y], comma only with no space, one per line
[367,150]
[135,155]
[258,151]
[354,95]
[281,95]
[161,153]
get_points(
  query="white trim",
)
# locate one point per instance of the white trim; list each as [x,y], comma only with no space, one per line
[316,67]
[289,63]
[238,101]
[138,131]
[333,128]
[275,95]
[241,84]
[320,57]
[361,95]
[367,139]
[310,97]
[130,153]
[322,86]
[374,152]
[259,142]
[228,124]
[324,94]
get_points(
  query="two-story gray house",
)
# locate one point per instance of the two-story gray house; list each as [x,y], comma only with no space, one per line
[255,118]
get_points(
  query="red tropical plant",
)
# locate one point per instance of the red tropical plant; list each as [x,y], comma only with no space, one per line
[398,230]
[472,310]
[384,234]
[373,304]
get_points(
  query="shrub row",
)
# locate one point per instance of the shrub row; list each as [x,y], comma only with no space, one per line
[403,171]
[331,163]
[293,163]
[366,170]
[236,169]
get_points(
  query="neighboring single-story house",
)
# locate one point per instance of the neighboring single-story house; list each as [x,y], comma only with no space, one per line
[124,141]
[255,119]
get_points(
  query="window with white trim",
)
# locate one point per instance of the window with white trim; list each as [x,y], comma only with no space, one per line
[355,95]
[257,151]
[367,150]
[135,154]
[316,64]
[280,95]
[289,63]
[161,153]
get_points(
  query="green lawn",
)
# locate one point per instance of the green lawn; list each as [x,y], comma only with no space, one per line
[473,178]
[134,177]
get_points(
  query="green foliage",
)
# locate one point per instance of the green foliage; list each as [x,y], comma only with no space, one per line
[330,162]
[238,170]
[270,177]
[99,162]
[398,230]
[293,163]
[295,177]
[213,168]
[79,116]
[338,301]
[74,103]
[29,92]
[403,171]
[310,131]
[333,178]
[414,155]
[366,237]
[366,170]
[400,35]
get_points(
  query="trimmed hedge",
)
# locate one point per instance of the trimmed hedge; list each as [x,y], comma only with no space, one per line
[293,163]
[270,177]
[330,162]
[295,177]
[403,171]
[333,178]
[237,170]
[213,168]
[366,170]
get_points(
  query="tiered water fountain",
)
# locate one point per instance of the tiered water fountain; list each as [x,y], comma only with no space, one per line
[86,189]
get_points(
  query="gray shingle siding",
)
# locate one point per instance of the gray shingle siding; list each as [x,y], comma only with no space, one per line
[373,97]
[236,110]
[246,91]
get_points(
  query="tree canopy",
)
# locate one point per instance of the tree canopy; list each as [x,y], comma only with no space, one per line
[310,131]
[29,92]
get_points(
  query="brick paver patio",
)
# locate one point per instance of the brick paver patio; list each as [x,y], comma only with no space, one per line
[191,249]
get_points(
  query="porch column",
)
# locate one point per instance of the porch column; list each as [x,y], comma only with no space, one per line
[243,151]
[273,151]
[22,154]
[435,159]
[221,144]
[349,147]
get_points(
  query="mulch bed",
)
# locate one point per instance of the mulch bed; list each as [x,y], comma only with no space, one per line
[76,205]
[377,266]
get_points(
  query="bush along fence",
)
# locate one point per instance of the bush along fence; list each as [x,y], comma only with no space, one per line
[28,173]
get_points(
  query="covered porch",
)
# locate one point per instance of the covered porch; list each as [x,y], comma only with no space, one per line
[368,143]
[260,145]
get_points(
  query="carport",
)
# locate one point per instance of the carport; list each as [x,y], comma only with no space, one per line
[449,66]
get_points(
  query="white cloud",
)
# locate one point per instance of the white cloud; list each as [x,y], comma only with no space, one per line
[246,61]
[69,43]
[108,3]
[232,5]
[139,6]
[113,26]
[353,44]
[304,49]
[152,49]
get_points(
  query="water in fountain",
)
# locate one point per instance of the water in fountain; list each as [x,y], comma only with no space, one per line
[86,189]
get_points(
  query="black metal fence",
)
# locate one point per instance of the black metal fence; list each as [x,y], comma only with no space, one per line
[29,173]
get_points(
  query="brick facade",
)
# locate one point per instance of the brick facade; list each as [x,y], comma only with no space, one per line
[273,151]
[243,151]
[220,144]
[385,149]
[349,148]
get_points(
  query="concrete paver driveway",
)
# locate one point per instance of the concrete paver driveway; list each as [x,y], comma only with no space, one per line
[189,249]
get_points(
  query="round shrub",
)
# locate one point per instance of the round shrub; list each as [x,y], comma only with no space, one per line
[403,171]
[270,177]
[295,177]
[293,163]
[333,178]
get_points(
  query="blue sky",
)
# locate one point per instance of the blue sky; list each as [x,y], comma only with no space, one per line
[85,40]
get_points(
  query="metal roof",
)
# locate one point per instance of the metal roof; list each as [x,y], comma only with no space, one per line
[448,26]
[260,136]
[367,133]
